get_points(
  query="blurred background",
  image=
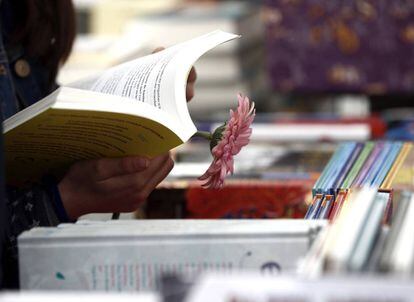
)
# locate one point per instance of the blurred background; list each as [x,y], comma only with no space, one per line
[319,71]
[347,58]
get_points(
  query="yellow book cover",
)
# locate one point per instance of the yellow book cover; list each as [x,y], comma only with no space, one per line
[136,108]
[387,184]
[404,176]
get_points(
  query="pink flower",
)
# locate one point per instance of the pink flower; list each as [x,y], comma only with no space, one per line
[228,141]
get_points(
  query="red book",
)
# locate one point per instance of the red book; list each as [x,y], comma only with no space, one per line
[250,199]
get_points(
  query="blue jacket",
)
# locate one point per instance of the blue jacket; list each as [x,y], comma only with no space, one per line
[23,81]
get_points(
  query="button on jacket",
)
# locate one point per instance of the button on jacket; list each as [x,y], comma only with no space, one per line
[23,81]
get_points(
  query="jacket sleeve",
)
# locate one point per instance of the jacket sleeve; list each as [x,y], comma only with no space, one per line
[39,205]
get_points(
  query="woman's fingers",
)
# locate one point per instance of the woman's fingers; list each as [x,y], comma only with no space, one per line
[158,177]
[135,182]
[190,84]
[192,77]
[105,168]
[158,49]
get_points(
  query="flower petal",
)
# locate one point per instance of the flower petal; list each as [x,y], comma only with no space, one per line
[235,136]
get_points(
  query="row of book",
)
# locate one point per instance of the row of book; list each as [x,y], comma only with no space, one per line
[270,181]
[132,255]
[383,164]
[358,241]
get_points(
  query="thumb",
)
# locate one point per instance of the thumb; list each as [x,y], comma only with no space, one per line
[158,49]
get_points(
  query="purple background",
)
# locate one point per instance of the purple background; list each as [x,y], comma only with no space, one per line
[340,46]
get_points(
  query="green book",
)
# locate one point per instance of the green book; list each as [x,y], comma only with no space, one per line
[358,165]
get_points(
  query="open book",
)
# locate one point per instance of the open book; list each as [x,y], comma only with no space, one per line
[136,108]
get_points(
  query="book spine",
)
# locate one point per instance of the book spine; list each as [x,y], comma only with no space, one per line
[314,206]
[387,183]
[366,151]
[339,201]
[349,164]
[324,175]
[367,165]
[386,166]
[326,207]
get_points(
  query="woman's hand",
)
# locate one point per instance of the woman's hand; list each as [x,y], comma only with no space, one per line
[192,77]
[111,184]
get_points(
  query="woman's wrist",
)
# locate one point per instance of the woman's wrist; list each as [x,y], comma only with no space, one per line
[71,205]
[55,194]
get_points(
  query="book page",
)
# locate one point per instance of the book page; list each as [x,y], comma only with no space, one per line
[158,79]
[139,79]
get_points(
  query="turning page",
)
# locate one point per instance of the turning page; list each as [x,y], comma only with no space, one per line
[153,79]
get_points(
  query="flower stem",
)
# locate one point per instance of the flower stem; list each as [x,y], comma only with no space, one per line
[204,134]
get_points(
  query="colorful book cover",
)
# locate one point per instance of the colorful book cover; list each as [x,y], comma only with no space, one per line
[348,165]
[339,201]
[377,163]
[404,178]
[368,164]
[313,208]
[326,207]
[258,199]
[387,164]
[320,183]
[386,185]
[338,168]
[356,168]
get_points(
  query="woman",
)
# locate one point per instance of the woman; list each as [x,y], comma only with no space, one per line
[37,37]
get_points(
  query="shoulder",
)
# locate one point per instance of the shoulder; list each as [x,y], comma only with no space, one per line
[28,77]
[31,78]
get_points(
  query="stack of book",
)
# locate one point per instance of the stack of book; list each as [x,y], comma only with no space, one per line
[269,181]
[132,255]
[382,165]
[357,241]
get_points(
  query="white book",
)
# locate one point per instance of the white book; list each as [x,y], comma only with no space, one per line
[259,288]
[310,132]
[64,296]
[347,229]
[372,227]
[402,256]
[127,256]
[387,254]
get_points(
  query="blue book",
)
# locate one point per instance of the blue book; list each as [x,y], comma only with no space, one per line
[317,199]
[386,166]
[338,168]
[377,164]
[367,165]
[325,207]
[327,170]
[326,186]
[347,168]
[313,210]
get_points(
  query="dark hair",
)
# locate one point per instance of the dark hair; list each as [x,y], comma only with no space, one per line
[46,29]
